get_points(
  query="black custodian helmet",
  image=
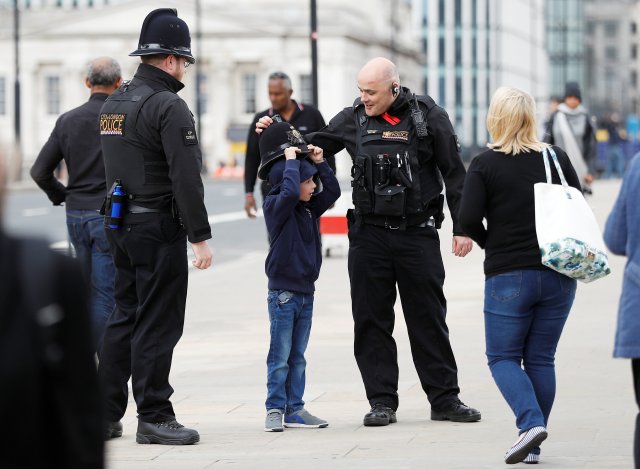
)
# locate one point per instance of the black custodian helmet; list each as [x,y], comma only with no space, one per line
[274,140]
[164,33]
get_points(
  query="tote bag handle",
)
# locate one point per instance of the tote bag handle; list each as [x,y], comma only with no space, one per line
[549,153]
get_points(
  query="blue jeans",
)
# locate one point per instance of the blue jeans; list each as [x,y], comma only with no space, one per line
[615,162]
[290,317]
[524,313]
[86,232]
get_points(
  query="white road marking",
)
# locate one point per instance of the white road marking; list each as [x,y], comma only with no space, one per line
[35,212]
[230,216]
[63,246]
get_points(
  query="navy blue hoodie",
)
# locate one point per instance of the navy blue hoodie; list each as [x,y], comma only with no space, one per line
[295,256]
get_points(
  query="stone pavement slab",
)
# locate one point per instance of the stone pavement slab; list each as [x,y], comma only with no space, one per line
[219,377]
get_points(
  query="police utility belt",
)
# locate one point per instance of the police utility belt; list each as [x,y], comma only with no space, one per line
[380,185]
[117,203]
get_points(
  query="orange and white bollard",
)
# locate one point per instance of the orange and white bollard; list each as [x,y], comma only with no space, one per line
[333,227]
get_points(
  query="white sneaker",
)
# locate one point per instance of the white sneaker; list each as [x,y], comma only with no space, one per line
[525,443]
[532,458]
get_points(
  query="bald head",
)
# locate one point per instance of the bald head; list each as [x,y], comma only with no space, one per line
[103,75]
[378,69]
[379,85]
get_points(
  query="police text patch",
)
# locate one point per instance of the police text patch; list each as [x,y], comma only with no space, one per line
[189,136]
[401,135]
[112,123]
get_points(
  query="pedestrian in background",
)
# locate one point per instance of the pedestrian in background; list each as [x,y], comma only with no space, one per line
[570,128]
[151,152]
[49,397]
[525,303]
[615,154]
[304,117]
[291,212]
[393,237]
[622,236]
[76,140]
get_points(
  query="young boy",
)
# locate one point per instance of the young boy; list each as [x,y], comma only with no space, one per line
[291,211]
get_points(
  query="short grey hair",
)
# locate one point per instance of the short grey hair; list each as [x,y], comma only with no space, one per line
[286,81]
[104,71]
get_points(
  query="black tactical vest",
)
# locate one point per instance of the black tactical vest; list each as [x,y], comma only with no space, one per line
[387,177]
[144,172]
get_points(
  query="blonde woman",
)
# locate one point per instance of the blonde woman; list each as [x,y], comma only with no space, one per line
[526,304]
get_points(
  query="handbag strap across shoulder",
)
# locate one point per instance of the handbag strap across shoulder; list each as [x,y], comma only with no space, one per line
[549,153]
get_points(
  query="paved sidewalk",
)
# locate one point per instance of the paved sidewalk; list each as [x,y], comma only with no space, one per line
[219,376]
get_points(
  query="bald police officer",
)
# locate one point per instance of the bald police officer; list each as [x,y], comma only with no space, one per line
[402,145]
[151,154]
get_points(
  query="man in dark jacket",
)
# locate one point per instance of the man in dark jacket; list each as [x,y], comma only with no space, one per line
[151,153]
[76,140]
[304,117]
[401,146]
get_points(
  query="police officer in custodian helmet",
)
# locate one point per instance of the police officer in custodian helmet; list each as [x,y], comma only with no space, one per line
[156,202]
[401,144]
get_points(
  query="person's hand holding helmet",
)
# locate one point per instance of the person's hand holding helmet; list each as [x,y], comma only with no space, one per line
[263,123]
[291,153]
[316,154]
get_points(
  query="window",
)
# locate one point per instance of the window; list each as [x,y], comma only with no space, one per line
[3,96]
[633,27]
[441,90]
[633,78]
[249,93]
[52,94]
[306,89]
[202,94]
[611,53]
[610,28]
[634,51]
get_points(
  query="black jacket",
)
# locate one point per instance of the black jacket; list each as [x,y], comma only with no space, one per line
[49,391]
[295,257]
[439,153]
[305,118]
[76,139]
[164,128]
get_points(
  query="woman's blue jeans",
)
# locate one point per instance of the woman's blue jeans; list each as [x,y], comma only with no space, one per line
[290,316]
[525,311]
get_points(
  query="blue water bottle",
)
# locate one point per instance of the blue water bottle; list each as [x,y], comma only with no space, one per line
[117,205]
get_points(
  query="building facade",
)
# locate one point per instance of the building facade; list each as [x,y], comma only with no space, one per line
[565,25]
[472,47]
[237,48]
[612,43]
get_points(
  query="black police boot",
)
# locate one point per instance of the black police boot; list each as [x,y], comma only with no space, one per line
[379,416]
[456,412]
[113,430]
[169,432]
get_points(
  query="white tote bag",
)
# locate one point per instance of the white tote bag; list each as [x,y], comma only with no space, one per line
[568,234]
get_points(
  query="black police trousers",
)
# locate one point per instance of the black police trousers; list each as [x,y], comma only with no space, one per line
[380,258]
[150,255]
